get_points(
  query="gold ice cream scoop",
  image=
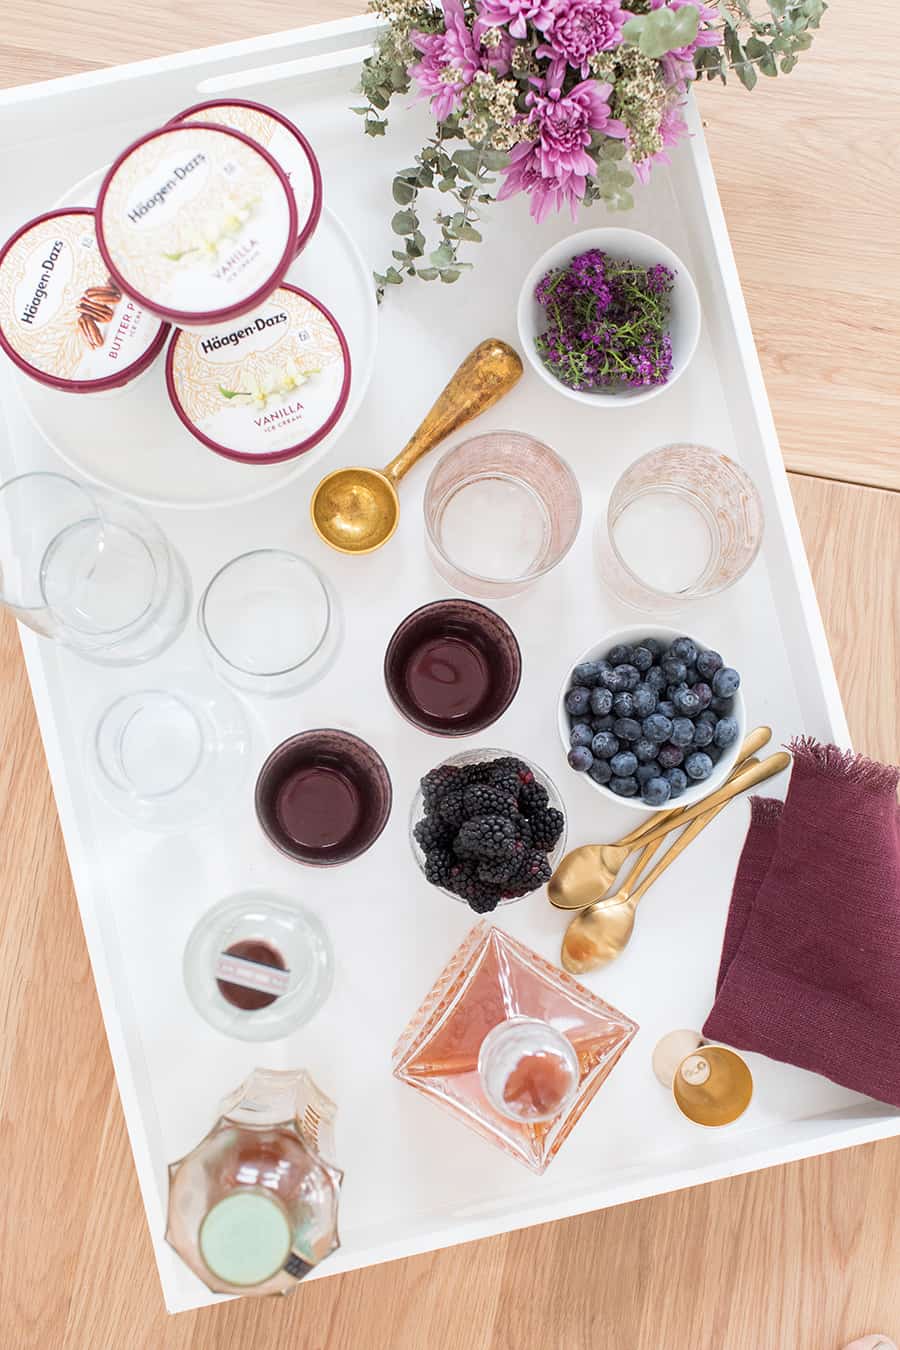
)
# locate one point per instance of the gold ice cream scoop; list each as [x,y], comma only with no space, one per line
[356,510]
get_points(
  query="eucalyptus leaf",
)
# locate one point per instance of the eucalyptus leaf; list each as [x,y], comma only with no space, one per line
[404,222]
[403,192]
[450,274]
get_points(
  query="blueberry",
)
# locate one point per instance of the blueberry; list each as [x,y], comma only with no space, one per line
[709,716]
[656,791]
[714,753]
[624,787]
[623,704]
[629,675]
[655,678]
[692,675]
[657,728]
[708,663]
[580,758]
[674,669]
[588,673]
[605,745]
[726,732]
[619,655]
[603,723]
[682,732]
[677,780]
[647,771]
[673,689]
[644,749]
[641,659]
[703,734]
[581,734]
[721,706]
[698,765]
[627,728]
[685,649]
[600,771]
[652,646]
[687,703]
[670,756]
[666,708]
[644,700]
[725,682]
[704,693]
[624,764]
[615,681]
[601,702]
[578,700]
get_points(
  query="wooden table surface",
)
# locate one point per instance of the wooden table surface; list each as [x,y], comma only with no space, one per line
[798,1258]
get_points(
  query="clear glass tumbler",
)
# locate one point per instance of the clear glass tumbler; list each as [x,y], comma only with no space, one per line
[89,569]
[171,758]
[270,621]
[501,510]
[683,522]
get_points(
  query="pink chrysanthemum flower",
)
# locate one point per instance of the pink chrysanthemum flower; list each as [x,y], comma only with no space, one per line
[450,61]
[553,168]
[581,29]
[516,15]
[678,66]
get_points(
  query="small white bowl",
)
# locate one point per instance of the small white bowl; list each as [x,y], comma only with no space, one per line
[684,326]
[632,636]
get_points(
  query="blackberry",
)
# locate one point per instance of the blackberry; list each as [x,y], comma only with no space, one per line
[479,772]
[484,800]
[439,863]
[449,810]
[479,895]
[508,764]
[499,870]
[522,827]
[437,782]
[533,798]
[546,827]
[533,871]
[486,838]
[432,833]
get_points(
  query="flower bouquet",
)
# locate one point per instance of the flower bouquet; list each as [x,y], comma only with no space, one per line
[569,101]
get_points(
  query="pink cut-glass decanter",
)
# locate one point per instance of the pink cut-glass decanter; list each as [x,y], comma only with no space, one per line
[253,1208]
[512,1046]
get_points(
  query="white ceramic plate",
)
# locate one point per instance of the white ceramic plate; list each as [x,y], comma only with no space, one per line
[132,442]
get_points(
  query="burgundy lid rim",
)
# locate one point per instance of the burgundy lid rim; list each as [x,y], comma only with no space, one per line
[272,456]
[315,212]
[210,318]
[420,725]
[310,735]
[51,381]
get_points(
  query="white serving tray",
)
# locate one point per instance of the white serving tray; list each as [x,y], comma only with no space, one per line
[416,1180]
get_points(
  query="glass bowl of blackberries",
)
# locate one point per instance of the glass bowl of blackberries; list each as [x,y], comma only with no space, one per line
[487,828]
[651,717]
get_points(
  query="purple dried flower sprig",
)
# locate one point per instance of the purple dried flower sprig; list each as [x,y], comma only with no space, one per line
[607,322]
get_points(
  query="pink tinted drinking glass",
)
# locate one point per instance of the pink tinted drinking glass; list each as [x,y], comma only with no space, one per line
[501,510]
[683,522]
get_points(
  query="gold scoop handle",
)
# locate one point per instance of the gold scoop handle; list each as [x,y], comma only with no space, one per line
[755,740]
[747,778]
[487,373]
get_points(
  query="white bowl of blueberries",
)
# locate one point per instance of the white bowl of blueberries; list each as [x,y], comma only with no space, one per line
[652,717]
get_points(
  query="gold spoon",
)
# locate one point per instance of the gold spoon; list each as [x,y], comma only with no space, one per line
[588,872]
[601,932]
[357,510]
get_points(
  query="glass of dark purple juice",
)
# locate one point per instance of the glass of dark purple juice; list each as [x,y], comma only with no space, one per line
[452,667]
[323,797]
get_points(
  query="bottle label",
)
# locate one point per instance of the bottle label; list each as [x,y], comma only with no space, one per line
[252,974]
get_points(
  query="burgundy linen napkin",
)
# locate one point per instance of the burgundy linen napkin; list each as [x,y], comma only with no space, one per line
[810,967]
